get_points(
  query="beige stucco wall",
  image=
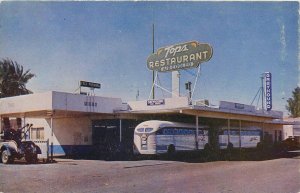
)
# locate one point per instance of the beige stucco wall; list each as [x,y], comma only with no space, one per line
[66,131]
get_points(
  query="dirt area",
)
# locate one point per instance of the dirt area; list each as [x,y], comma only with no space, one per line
[67,175]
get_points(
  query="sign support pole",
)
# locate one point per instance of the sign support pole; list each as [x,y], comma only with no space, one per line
[154,83]
[262,93]
[153,72]
[197,132]
[175,84]
[196,80]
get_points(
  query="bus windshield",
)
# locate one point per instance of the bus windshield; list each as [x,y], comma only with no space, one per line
[144,130]
[141,130]
[148,130]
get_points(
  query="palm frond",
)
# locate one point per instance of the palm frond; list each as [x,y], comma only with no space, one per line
[13,78]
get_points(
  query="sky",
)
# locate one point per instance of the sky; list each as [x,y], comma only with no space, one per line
[109,43]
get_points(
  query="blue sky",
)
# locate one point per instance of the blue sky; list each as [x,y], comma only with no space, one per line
[109,42]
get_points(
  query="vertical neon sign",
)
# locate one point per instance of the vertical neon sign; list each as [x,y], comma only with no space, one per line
[268,81]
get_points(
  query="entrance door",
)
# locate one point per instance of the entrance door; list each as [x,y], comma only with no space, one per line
[105,135]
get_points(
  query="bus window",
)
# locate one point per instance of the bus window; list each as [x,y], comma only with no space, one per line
[141,130]
[234,132]
[148,130]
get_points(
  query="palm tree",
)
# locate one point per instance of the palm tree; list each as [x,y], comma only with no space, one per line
[13,79]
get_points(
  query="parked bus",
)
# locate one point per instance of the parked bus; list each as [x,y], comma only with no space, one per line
[155,137]
[248,138]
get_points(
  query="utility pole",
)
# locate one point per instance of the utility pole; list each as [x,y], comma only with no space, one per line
[153,73]
[137,95]
[262,92]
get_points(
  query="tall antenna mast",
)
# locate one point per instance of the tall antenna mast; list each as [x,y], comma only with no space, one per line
[153,74]
[262,92]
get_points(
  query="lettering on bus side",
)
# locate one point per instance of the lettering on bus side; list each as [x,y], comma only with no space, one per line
[176,131]
[243,133]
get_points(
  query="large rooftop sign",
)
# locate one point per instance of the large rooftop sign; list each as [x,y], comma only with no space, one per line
[179,56]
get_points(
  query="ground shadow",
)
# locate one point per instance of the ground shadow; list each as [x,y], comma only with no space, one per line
[199,156]
[23,162]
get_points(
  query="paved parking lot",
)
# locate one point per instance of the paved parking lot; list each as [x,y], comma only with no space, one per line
[276,176]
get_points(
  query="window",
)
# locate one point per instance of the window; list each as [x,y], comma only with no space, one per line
[233,132]
[140,130]
[201,132]
[148,130]
[37,133]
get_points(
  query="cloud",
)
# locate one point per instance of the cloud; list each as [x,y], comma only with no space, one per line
[283,44]
[283,56]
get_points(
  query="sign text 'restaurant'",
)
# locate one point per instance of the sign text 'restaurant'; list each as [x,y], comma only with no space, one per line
[180,56]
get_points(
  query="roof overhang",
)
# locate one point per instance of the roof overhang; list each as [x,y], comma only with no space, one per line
[208,112]
[57,104]
[54,114]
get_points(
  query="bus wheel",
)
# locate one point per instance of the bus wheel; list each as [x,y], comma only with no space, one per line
[207,148]
[171,149]
[260,146]
[230,146]
[228,153]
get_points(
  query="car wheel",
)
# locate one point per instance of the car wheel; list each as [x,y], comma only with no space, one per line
[31,158]
[6,158]
[207,148]
[171,149]
[230,146]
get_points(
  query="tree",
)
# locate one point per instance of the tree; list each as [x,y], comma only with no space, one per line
[13,79]
[293,105]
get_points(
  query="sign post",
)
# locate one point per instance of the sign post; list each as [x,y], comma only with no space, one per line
[179,56]
[91,85]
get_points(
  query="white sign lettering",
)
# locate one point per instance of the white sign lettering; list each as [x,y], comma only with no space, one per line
[175,49]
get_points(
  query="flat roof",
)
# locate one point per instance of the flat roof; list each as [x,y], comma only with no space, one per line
[66,104]
[44,104]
